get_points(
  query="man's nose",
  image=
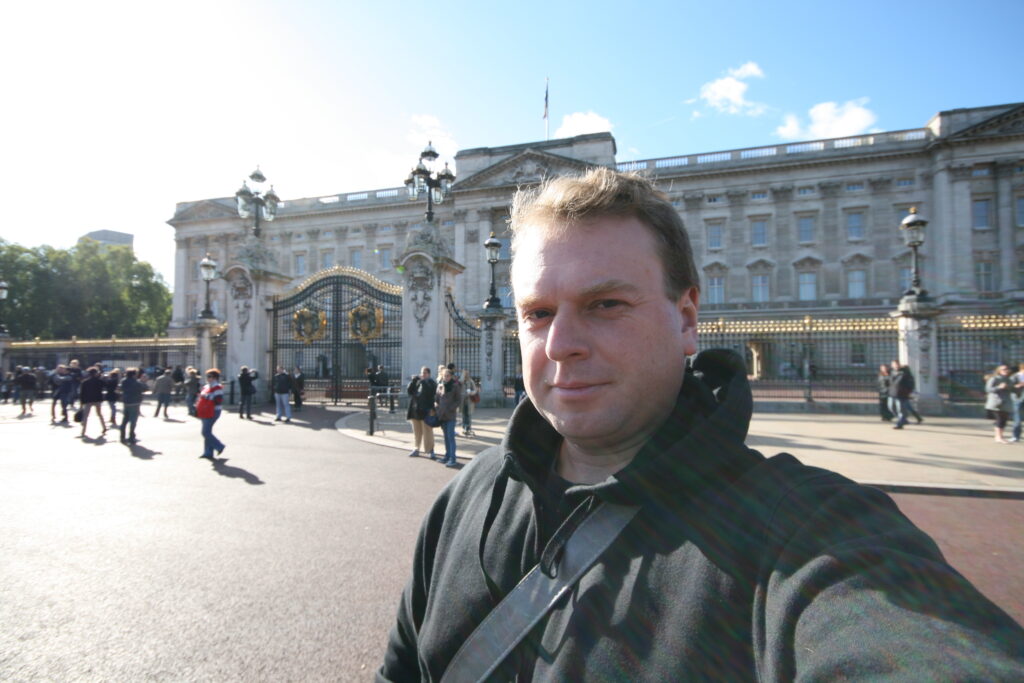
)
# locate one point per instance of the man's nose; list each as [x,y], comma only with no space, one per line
[566,338]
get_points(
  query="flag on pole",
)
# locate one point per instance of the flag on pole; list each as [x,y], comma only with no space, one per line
[545,99]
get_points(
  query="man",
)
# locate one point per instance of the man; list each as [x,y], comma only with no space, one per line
[425,391]
[298,387]
[901,388]
[382,382]
[162,388]
[63,391]
[131,395]
[734,567]
[282,384]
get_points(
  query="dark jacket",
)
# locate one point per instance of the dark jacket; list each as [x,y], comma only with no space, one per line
[884,382]
[63,385]
[91,390]
[902,385]
[110,387]
[131,391]
[413,413]
[246,382]
[26,380]
[426,391]
[449,400]
[736,568]
[282,383]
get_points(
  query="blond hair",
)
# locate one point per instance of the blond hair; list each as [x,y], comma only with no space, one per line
[561,204]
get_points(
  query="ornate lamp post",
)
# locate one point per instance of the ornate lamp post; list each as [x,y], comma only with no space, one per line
[208,271]
[493,247]
[437,186]
[257,202]
[912,229]
[3,298]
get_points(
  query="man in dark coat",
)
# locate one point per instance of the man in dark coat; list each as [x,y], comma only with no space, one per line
[728,566]
[298,387]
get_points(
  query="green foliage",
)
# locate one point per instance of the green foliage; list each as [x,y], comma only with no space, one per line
[91,291]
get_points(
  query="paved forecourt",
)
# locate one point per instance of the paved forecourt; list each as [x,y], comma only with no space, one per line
[284,559]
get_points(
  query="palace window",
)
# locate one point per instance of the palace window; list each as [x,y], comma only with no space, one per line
[355,258]
[759,194]
[716,289]
[327,258]
[384,258]
[855,225]
[804,191]
[195,269]
[760,288]
[714,235]
[981,171]
[805,228]
[758,232]
[807,286]
[857,284]
[300,264]
[981,213]
[984,276]
[714,198]
[906,278]
[904,182]
[854,187]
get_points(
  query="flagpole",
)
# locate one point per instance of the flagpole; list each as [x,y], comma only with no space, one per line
[547,118]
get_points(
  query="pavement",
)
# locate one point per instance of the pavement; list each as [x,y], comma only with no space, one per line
[284,559]
[950,455]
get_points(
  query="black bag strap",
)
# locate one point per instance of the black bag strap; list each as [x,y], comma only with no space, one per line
[508,623]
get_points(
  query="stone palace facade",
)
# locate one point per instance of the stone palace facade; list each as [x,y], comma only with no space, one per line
[794,229]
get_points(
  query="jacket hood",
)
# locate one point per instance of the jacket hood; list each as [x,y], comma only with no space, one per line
[700,444]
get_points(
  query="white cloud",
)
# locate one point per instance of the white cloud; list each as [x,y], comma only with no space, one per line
[694,115]
[729,93]
[581,123]
[830,120]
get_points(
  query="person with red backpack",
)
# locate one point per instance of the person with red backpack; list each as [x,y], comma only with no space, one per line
[208,407]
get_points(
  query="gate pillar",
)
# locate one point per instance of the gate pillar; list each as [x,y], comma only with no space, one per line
[492,359]
[204,343]
[429,271]
[918,349]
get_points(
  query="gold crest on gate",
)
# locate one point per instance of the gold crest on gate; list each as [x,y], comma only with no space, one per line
[309,326]
[366,322]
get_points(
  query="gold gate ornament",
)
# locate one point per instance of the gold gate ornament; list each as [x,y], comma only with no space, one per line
[366,322]
[309,326]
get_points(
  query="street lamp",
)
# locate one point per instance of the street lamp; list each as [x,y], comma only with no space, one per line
[912,229]
[3,298]
[208,271]
[493,247]
[437,186]
[257,202]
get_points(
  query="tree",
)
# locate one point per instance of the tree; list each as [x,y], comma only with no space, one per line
[91,291]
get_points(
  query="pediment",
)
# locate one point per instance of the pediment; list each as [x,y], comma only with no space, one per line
[856,258]
[1010,122]
[528,167]
[807,262]
[207,209]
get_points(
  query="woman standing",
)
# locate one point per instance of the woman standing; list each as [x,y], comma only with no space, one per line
[208,408]
[471,395]
[191,389]
[449,398]
[999,400]
[422,391]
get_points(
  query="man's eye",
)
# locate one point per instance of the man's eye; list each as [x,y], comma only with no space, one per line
[605,304]
[536,315]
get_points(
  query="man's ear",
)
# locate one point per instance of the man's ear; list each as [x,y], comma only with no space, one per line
[688,305]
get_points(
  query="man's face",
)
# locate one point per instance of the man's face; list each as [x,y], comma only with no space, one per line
[604,348]
[425,374]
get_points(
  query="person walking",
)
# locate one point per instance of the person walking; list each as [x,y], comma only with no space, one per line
[131,398]
[91,394]
[63,391]
[470,397]
[208,407]
[246,390]
[901,388]
[1017,399]
[999,400]
[422,390]
[383,385]
[282,384]
[884,380]
[162,388]
[298,387]
[192,384]
[110,389]
[449,399]
[26,383]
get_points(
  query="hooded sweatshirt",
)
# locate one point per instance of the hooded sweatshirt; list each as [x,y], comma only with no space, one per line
[736,567]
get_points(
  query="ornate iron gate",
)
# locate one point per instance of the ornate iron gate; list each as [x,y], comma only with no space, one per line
[334,326]
[462,345]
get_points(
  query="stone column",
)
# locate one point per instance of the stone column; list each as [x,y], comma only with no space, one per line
[918,348]
[181,279]
[428,271]
[204,342]
[492,358]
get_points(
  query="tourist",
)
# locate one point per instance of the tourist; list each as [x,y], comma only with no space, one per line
[208,407]
[999,399]
[449,399]
[192,384]
[422,391]
[26,382]
[90,393]
[110,386]
[131,398]
[471,396]
[282,387]
[63,392]
[162,388]
[246,390]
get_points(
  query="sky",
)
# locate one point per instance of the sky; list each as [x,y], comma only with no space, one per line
[115,111]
